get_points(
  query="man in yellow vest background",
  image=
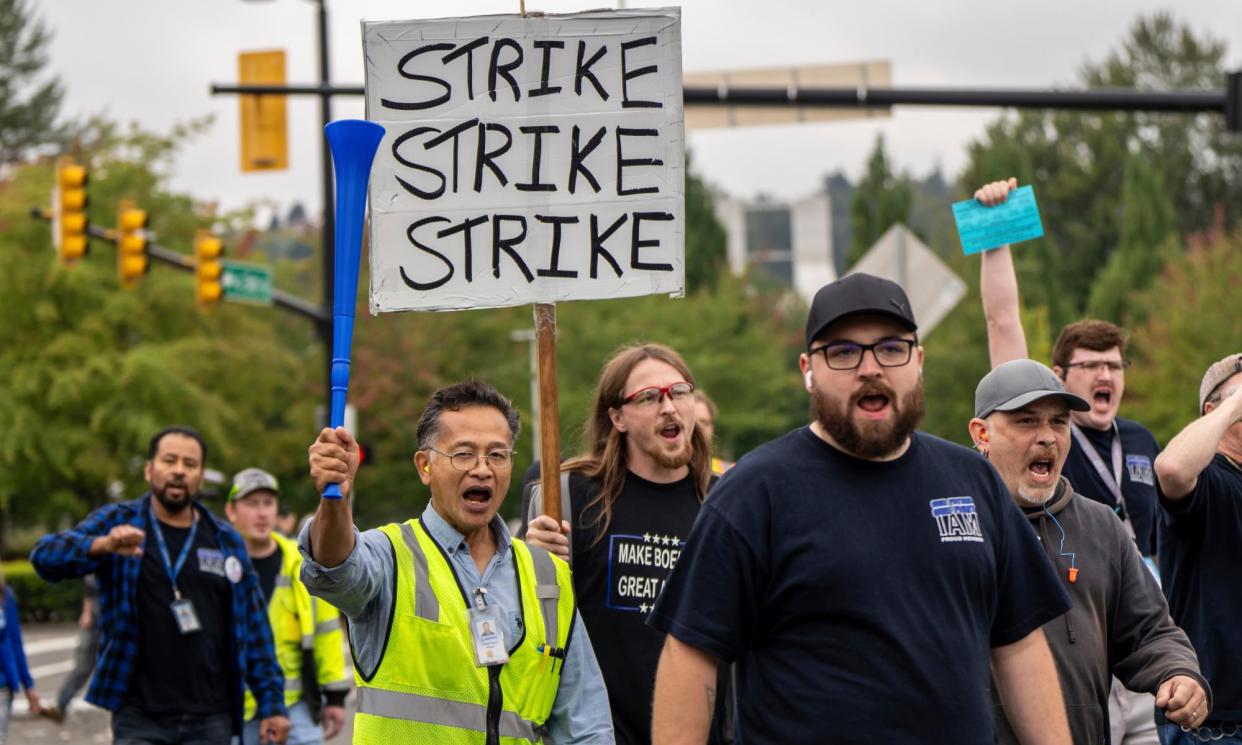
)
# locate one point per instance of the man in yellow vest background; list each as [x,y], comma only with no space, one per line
[306,630]
[460,633]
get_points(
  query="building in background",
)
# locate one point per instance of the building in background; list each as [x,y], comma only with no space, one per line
[801,245]
[790,242]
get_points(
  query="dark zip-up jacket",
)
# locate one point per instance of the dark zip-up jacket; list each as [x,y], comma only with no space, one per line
[1119,624]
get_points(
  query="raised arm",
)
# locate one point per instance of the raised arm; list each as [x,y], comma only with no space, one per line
[1184,458]
[1026,679]
[998,284]
[685,695]
[333,460]
[351,571]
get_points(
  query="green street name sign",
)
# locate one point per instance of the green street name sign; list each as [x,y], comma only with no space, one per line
[246,283]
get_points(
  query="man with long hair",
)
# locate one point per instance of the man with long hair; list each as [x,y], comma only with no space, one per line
[633,497]
[865,577]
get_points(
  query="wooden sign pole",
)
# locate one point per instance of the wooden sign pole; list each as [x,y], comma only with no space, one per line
[549,411]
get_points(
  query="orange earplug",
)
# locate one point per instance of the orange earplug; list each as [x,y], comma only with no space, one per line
[1073,575]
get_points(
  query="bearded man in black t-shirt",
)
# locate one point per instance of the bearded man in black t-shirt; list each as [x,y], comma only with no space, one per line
[632,500]
[864,577]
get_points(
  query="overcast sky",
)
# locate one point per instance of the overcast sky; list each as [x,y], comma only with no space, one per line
[153,61]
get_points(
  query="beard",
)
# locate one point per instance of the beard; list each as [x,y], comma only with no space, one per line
[1029,497]
[1037,496]
[673,460]
[654,448]
[172,504]
[869,440]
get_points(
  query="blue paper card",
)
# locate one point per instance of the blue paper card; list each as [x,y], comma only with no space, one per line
[982,228]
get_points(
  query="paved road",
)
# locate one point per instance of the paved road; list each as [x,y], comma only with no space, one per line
[49,651]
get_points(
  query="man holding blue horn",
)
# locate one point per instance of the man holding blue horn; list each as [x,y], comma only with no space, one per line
[461,634]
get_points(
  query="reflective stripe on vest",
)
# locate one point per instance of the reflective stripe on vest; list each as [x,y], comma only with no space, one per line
[546,590]
[425,603]
[429,690]
[440,712]
[293,616]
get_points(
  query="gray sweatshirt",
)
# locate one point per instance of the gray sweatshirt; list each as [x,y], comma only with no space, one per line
[1119,624]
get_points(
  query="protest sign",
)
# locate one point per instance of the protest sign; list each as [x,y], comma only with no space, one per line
[526,159]
[981,228]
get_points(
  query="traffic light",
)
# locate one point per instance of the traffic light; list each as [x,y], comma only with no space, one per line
[264,130]
[131,243]
[207,269]
[69,225]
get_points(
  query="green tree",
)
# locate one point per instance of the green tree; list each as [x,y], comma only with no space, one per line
[1077,161]
[1147,241]
[881,199]
[1192,321]
[91,371]
[957,353]
[29,98]
[705,236]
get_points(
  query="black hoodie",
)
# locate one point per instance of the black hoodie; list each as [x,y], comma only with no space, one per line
[1119,624]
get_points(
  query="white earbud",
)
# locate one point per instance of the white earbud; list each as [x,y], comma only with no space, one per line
[810,382]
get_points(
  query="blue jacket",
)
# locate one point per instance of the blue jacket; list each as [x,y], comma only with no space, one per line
[64,556]
[13,670]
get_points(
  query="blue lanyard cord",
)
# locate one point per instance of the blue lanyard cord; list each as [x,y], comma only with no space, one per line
[174,569]
[1073,558]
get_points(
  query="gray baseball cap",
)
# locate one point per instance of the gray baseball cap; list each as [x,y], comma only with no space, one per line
[252,480]
[1017,383]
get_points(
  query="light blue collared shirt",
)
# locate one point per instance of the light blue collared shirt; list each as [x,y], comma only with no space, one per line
[361,588]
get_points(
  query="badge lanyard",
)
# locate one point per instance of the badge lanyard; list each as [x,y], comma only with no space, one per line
[174,569]
[182,608]
[1111,479]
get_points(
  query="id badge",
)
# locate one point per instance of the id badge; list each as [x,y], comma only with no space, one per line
[187,619]
[488,637]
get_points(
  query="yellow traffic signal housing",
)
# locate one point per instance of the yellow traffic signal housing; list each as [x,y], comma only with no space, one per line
[207,250]
[132,261]
[69,201]
[264,127]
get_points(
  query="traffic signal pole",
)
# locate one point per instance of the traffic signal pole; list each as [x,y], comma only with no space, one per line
[1227,102]
[329,220]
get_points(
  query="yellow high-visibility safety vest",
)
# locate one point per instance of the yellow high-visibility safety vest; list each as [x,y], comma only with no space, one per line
[427,689]
[301,622]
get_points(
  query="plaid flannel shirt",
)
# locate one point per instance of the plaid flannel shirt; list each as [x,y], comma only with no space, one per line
[64,556]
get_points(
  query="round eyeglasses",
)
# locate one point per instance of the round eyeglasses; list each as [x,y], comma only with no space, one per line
[468,460]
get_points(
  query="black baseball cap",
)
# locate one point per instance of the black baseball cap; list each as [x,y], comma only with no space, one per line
[858,295]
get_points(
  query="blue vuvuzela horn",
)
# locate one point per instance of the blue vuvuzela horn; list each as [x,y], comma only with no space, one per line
[353,143]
